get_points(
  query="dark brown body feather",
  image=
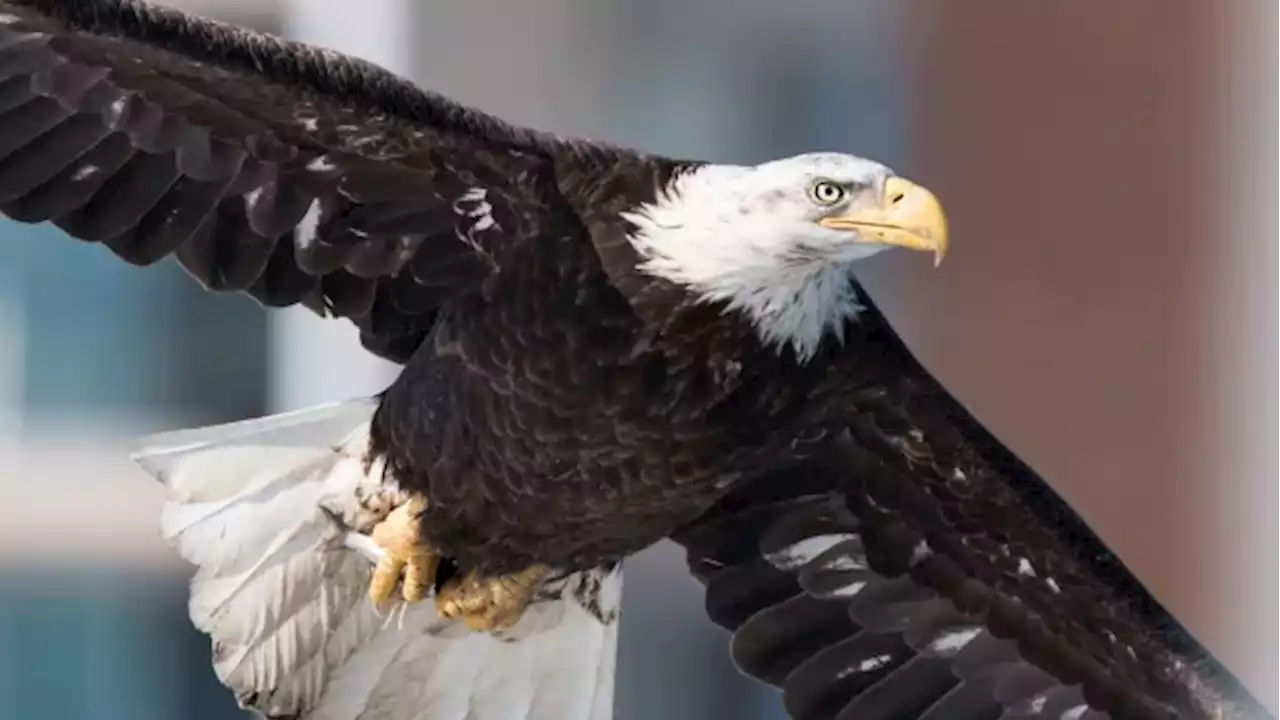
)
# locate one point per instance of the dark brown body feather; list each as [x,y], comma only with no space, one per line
[566,430]
[557,405]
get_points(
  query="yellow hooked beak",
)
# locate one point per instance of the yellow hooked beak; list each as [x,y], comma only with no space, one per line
[907,216]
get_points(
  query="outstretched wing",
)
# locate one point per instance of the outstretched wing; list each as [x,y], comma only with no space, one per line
[918,569]
[292,173]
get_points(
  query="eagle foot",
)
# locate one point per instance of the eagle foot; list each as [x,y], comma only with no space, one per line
[400,537]
[490,603]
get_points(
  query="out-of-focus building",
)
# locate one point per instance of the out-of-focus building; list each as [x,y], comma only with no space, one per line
[1102,310]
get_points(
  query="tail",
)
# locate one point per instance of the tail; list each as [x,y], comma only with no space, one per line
[266,510]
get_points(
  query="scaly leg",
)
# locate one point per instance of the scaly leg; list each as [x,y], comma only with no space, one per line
[400,536]
[490,603]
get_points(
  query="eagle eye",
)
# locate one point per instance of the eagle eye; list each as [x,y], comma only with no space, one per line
[826,192]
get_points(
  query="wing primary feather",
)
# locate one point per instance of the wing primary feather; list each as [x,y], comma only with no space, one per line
[888,604]
[348,295]
[970,700]
[122,201]
[35,163]
[737,592]
[829,680]
[15,92]
[772,642]
[906,692]
[28,121]
[73,185]
[282,282]
[237,255]
[170,222]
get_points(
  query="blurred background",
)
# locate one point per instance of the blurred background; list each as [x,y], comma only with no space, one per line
[1106,310]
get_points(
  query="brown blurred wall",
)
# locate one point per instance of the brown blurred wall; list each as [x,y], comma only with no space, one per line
[1069,142]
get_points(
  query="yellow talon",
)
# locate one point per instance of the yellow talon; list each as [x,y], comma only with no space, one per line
[400,536]
[490,603]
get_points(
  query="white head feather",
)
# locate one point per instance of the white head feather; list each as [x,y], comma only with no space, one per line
[750,237]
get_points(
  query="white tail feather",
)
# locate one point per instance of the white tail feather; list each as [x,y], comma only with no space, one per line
[284,601]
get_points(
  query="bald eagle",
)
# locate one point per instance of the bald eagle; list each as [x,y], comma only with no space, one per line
[601,348]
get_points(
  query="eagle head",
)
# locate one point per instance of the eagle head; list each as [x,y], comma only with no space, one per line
[776,241]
